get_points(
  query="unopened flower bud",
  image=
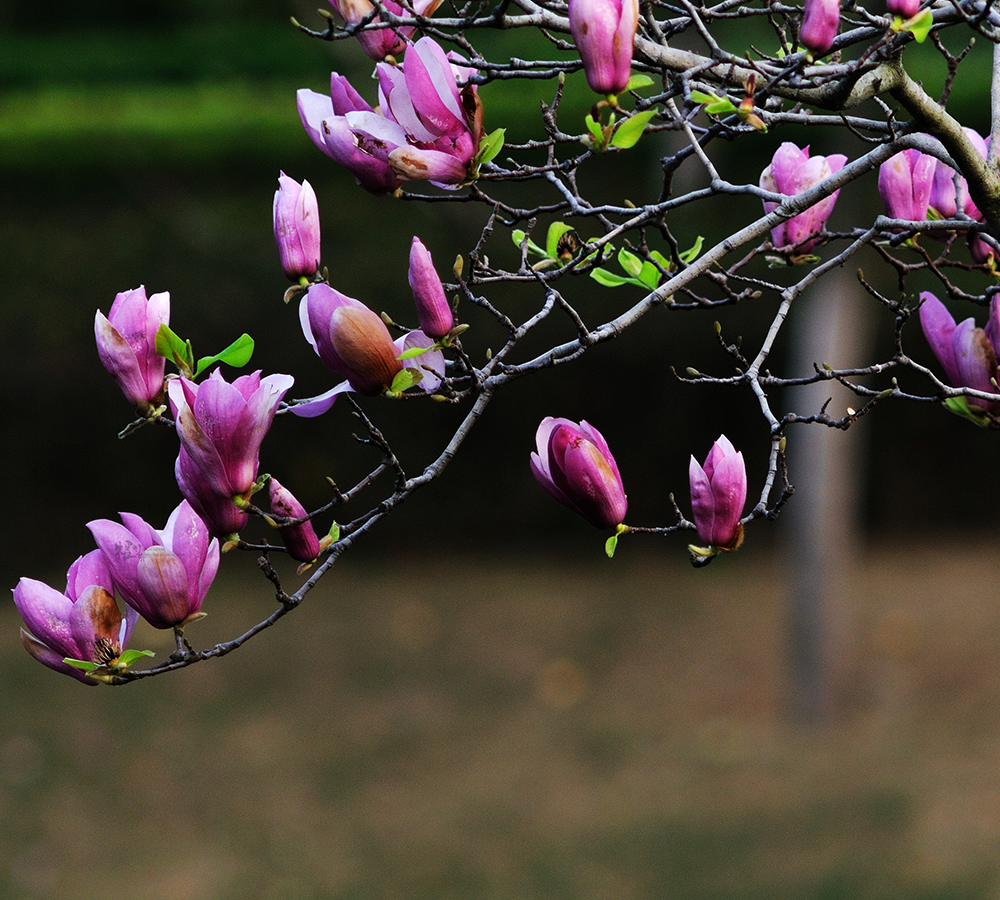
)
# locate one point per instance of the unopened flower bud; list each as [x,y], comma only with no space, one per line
[300,540]
[820,21]
[366,352]
[604,32]
[296,227]
[433,311]
[574,464]
[718,493]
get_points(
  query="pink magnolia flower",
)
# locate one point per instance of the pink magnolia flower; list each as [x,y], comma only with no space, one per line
[950,191]
[163,575]
[906,9]
[573,463]
[300,540]
[126,344]
[604,32]
[349,338]
[83,623]
[967,354]
[426,127]
[792,171]
[718,493]
[820,21]
[433,309]
[296,227]
[221,427]
[904,184]
[382,42]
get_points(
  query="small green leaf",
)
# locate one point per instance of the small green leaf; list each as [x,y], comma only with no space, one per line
[405,379]
[932,215]
[173,348]
[920,26]
[665,263]
[595,129]
[638,81]
[692,253]
[490,146]
[724,106]
[649,275]
[81,663]
[631,129]
[334,533]
[556,231]
[608,279]
[960,406]
[519,238]
[629,262]
[702,97]
[610,545]
[130,656]
[413,351]
[237,355]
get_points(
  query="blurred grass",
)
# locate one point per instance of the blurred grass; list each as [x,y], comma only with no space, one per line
[438,728]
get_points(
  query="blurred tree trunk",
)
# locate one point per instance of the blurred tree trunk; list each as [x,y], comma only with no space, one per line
[820,524]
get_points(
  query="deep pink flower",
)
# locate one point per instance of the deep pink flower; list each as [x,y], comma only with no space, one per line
[718,493]
[83,623]
[604,32]
[792,171]
[163,575]
[382,42]
[907,9]
[300,540]
[967,354]
[820,21]
[126,344]
[221,427]
[573,463]
[904,184]
[296,227]
[324,119]
[426,127]
[433,310]
[950,191]
[349,338]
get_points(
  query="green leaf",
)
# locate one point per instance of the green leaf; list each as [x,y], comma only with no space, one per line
[610,545]
[631,129]
[629,262]
[237,355]
[80,663]
[724,106]
[334,533]
[649,275]
[519,238]
[595,129]
[556,231]
[608,279]
[405,379]
[171,347]
[702,97]
[413,351]
[920,26]
[490,146]
[638,81]
[665,263]
[960,406]
[691,254]
[130,656]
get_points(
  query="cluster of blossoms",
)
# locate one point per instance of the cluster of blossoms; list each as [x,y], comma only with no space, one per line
[916,186]
[574,464]
[426,128]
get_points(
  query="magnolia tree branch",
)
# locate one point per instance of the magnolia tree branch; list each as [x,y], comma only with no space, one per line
[705,98]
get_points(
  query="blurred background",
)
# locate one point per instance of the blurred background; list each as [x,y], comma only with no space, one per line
[477,703]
